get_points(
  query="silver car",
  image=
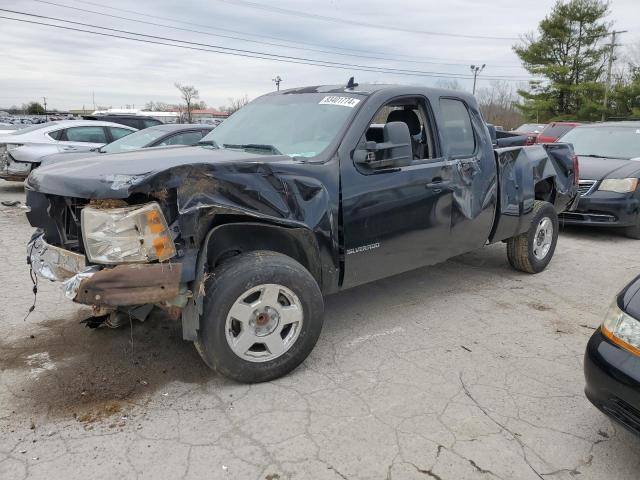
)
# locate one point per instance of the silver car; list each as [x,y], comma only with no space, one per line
[21,151]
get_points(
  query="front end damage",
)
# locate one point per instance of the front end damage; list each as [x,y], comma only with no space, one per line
[105,287]
[108,284]
[196,191]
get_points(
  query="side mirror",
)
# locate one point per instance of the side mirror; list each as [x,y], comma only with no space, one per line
[395,151]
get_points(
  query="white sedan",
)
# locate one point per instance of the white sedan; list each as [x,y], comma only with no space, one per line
[21,151]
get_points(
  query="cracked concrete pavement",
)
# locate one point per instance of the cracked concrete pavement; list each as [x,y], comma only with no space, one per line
[465,370]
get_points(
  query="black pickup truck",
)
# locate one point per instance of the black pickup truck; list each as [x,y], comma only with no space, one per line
[300,194]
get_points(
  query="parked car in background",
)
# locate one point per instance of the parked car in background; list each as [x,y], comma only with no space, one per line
[554,131]
[531,130]
[135,121]
[21,151]
[609,156]
[158,136]
[612,360]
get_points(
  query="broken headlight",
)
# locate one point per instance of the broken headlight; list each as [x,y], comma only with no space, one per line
[622,329]
[126,235]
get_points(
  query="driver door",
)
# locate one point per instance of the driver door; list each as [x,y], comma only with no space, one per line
[396,219]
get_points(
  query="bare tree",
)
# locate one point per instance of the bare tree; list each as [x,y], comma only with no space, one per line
[159,106]
[498,104]
[189,93]
[236,104]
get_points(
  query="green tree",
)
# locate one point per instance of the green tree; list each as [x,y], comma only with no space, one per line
[569,51]
[34,108]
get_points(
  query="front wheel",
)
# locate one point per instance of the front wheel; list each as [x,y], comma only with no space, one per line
[532,250]
[262,317]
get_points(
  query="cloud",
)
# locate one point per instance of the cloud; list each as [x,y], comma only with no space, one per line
[70,67]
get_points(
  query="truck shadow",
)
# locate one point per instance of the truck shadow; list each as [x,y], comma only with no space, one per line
[67,370]
[64,369]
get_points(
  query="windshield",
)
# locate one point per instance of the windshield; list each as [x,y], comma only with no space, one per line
[604,141]
[134,141]
[298,125]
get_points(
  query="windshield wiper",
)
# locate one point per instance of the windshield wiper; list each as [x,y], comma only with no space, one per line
[254,146]
[602,156]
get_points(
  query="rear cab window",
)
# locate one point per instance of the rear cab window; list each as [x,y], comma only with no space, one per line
[457,129]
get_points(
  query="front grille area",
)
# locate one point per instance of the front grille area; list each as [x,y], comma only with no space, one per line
[586,187]
[588,217]
[65,212]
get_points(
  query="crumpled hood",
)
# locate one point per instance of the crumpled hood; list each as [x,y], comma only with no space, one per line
[601,168]
[118,175]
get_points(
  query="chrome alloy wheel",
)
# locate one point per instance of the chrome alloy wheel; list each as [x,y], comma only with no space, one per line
[264,322]
[543,238]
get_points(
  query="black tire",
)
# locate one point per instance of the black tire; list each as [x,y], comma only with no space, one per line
[231,280]
[520,249]
[633,231]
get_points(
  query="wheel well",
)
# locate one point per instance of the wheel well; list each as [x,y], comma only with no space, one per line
[231,239]
[545,190]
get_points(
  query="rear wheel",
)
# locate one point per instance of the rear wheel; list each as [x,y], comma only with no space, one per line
[532,250]
[262,317]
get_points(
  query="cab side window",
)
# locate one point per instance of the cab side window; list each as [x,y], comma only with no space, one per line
[457,129]
[415,113]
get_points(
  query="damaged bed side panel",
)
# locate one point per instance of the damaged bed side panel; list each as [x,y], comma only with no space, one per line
[520,169]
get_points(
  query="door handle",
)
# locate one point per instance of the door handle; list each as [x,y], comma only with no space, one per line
[436,184]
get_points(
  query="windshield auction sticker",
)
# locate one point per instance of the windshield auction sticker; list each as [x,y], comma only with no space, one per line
[342,101]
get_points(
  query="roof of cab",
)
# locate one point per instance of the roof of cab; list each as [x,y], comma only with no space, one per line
[367,89]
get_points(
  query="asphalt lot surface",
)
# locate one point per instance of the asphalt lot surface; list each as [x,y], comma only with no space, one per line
[463,370]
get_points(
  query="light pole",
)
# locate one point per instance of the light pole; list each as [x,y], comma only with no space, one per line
[607,85]
[277,81]
[44,100]
[476,70]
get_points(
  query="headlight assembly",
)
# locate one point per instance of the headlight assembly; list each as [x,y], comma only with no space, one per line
[618,185]
[126,235]
[622,329]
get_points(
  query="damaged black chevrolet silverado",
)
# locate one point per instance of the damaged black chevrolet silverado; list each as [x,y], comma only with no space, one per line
[300,194]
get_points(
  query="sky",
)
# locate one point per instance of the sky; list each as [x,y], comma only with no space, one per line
[432,39]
